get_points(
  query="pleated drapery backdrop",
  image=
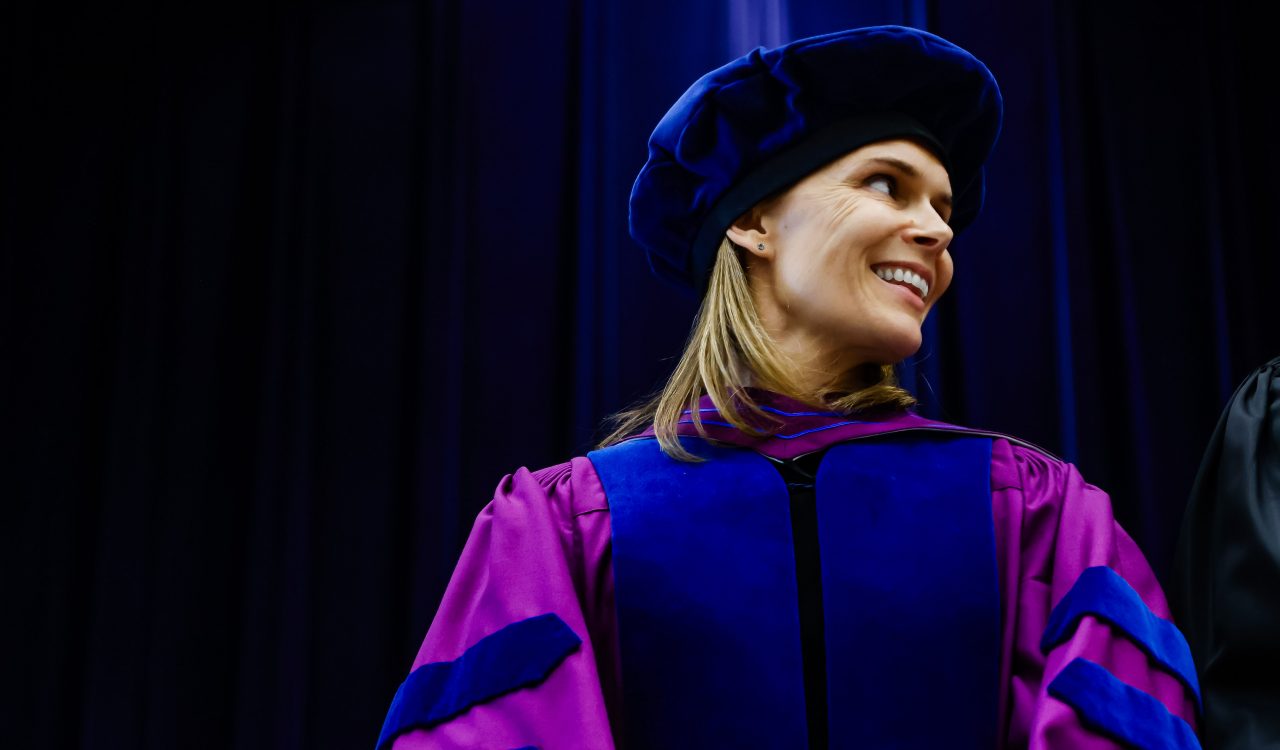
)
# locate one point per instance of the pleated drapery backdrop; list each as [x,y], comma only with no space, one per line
[287,289]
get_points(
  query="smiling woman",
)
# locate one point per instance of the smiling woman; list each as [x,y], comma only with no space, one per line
[775,551]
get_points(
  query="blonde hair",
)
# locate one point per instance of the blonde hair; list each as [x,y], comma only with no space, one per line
[729,349]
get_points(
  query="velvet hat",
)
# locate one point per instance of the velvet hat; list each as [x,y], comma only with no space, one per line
[760,123]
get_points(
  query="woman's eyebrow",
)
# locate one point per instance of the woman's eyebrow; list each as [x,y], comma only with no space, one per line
[908,169]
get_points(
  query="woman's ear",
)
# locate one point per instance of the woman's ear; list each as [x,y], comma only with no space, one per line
[748,231]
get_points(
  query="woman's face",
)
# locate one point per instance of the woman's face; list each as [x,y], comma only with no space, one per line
[855,255]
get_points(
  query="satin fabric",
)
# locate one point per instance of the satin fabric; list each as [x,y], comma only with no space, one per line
[542,545]
[1227,569]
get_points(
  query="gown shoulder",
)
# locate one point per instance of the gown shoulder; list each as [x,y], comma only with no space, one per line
[511,658]
[1092,657]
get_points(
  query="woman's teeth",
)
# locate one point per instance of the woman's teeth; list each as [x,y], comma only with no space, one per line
[905,276]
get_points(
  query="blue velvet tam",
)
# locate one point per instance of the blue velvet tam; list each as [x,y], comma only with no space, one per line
[759,124]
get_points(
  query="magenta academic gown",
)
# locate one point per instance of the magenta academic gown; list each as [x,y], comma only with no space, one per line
[543,546]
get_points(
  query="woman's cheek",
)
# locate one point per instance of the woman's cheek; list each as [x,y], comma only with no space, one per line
[802,278]
[946,271]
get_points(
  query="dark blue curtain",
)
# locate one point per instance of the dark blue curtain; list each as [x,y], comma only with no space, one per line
[287,289]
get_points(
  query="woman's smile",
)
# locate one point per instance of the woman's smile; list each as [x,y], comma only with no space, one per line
[913,275]
[904,291]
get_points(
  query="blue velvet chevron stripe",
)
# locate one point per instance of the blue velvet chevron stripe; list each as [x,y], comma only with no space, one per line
[521,654]
[1119,711]
[1101,592]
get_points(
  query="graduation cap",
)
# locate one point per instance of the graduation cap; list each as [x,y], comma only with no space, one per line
[760,123]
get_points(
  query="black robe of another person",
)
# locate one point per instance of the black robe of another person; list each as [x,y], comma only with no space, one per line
[1226,588]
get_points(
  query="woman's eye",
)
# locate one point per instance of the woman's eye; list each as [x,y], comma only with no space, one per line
[883,183]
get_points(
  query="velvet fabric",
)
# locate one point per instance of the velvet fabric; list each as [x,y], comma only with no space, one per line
[910,588]
[1103,594]
[705,584]
[519,655]
[771,116]
[704,571]
[1126,714]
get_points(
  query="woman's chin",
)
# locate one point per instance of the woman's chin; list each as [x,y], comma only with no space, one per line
[900,346]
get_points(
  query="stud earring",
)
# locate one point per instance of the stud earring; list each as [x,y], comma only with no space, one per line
[760,246]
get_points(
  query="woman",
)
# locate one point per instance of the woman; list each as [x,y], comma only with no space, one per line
[775,552]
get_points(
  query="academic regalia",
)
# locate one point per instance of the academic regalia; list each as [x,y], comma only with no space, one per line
[627,598]
[525,648]
[1227,573]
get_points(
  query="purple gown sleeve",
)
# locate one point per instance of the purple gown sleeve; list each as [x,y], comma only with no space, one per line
[1052,527]
[541,547]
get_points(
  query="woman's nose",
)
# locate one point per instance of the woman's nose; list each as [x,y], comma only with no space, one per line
[930,232]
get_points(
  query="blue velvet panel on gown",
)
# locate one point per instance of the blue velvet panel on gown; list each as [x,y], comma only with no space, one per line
[709,626]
